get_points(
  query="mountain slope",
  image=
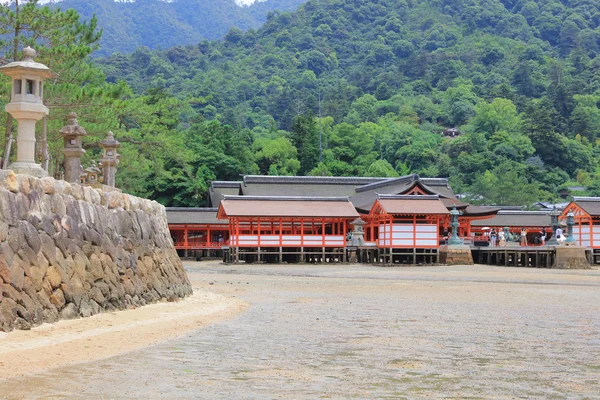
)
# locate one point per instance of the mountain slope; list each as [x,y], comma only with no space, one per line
[161,24]
[519,78]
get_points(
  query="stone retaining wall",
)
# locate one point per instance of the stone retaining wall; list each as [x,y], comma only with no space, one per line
[68,250]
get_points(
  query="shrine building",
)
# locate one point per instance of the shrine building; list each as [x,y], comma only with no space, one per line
[298,218]
[586,230]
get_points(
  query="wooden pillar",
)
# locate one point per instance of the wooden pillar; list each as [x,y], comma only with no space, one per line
[185,237]
[302,239]
[390,230]
[280,240]
[258,232]
[415,233]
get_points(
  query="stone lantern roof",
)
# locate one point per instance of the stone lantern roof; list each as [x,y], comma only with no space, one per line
[72,128]
[110,141]
[27,64]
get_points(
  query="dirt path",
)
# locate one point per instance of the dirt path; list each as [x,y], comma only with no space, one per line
[101,336]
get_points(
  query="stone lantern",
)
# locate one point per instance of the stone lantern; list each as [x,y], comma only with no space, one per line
[73,149]
[110,159]
[554,214]
[570,224]
[93,174]
[454,239]
[26,107]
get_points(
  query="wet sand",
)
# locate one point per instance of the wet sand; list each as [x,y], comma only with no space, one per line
[51,346]
[363,332]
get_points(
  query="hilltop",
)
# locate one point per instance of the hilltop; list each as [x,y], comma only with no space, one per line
[160,24]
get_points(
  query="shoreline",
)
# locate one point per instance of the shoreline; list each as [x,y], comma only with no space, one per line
[105,335]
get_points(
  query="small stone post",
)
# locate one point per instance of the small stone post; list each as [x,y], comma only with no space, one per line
[73,149]
[110,159]
[26,106]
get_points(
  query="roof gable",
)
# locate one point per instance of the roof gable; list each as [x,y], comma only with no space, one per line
[409,205]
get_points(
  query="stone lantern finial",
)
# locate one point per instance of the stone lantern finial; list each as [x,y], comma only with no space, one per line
[73,149]
[110,159]
[29,54]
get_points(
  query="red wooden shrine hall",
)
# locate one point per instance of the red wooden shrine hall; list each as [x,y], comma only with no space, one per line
[586,211]
[405,221]
[278,221]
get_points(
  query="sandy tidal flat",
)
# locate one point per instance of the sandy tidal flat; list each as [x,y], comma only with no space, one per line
[50,346]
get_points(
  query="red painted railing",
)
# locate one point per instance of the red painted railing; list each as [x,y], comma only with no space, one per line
[199,245]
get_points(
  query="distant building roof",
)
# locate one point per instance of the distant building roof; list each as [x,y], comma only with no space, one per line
[193,216]
[412,204]
[287,206]
[550,206]
[514,218]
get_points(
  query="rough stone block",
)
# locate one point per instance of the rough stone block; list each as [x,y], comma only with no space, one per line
[8,180]
[455,255]
[571,257]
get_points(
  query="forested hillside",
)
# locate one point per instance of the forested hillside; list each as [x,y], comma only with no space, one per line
[519,79]
[163,24]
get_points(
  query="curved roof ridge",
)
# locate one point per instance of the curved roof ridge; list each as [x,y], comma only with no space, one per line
[285,198]
[387,181]
[408,196]
[225,184]
[192,209]
[584,198]
[346,180]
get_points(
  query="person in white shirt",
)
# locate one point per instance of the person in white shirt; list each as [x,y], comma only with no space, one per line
[560,237]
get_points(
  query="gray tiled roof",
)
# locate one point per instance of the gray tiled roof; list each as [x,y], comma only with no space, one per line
[218,189]
[314,180]
[298,189]
[515,219]
[185,215]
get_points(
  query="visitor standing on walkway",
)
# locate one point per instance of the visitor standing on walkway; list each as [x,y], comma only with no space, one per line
[543,238]
[493,236]
[501,239]
[523,237]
